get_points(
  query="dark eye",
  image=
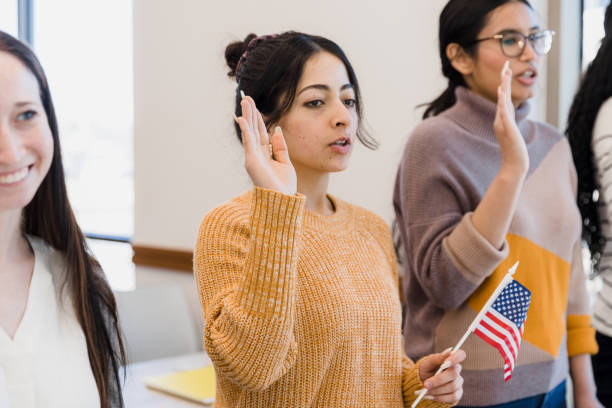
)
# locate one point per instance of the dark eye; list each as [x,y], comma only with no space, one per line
[510,39]
[27,115]
[350,102]
[314,104]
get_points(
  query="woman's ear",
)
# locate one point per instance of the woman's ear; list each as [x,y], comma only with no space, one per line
[459,59]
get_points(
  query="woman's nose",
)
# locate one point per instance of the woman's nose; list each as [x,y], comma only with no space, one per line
[11,149]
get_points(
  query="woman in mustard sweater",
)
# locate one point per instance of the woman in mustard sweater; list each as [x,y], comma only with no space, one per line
[300,289]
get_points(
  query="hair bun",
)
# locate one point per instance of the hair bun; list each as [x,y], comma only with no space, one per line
[234,51]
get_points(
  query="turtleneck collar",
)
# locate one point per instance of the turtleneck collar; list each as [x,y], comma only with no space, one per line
[476,113]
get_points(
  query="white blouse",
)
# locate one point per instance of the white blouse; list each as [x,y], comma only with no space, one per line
[46,363]
[602,150]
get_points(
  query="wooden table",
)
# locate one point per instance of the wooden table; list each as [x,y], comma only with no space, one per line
[136,394]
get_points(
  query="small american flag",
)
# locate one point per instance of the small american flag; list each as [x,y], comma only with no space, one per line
[502,325]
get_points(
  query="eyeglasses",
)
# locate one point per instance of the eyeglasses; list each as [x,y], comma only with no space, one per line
[513,43]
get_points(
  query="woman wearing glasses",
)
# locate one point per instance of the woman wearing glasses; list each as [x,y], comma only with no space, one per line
[589,132]
[475,192]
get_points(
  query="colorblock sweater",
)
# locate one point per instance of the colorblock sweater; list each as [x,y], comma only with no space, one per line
[451,269]
[302,310]
[602,151]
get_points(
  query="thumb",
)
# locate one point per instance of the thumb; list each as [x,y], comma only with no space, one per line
[435,360]
[279,146]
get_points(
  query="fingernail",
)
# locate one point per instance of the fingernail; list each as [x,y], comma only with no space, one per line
[428,397]
[242,95]
[445,365]
[427,384]
[278,130]
[419,392]
[447,350]
[235,117]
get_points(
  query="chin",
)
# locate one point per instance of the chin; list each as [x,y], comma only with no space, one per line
[16,202]
[338,166]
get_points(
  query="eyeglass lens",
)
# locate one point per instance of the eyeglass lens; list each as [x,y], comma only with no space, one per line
[513,44]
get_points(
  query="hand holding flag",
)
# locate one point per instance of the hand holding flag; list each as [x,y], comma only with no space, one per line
[500,323]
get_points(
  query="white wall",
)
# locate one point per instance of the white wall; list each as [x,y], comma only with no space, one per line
[187,159]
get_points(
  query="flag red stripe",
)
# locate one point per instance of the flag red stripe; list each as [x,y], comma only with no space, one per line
[502,336]
[510,329]
[495,344]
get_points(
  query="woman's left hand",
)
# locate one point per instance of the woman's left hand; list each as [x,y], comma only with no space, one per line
[448,385]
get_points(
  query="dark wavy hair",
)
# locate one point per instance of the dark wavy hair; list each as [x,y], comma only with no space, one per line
[50,217]
[460,22]
[595,88]
[268,69]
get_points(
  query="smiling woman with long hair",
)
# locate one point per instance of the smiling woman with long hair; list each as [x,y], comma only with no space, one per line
[59,338]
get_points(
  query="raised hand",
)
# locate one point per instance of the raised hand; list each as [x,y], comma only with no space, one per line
[268,168]
[514,156]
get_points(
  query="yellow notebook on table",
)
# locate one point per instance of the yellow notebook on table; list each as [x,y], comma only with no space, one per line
[193,385]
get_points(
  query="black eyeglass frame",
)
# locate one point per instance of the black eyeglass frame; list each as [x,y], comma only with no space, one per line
[524,38]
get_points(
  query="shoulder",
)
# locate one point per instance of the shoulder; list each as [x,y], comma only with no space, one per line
[49,261]
[548,138]
[370,222]
[431,134]
[603,122]
[546,130]
[49,258]
[233,213]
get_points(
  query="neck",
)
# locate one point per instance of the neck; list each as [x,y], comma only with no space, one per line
[12,243]
[314,186]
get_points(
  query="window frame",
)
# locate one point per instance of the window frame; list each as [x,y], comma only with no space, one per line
[25,28]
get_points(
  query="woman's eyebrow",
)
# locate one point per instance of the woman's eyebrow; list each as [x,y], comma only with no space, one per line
[324,87]
[315,86]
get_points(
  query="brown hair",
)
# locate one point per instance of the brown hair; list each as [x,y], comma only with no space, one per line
[268,69]
[460,22]
[50,217]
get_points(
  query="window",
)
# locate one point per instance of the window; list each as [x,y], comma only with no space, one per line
[86,51]
[87,55]
[592,28]
[8,17]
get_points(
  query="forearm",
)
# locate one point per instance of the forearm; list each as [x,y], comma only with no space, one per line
[493,215]
[246,273]
[582,377]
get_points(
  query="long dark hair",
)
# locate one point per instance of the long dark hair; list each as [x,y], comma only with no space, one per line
[460,23]
[268,69]
[595,88]
[50,217]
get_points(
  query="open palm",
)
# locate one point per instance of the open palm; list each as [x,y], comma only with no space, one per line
[511,143]
[267,169]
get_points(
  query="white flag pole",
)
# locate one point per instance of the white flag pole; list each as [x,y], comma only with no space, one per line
[502,285]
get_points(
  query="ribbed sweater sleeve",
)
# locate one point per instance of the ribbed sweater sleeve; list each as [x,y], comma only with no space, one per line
[434,197]
[411,382]
[245,265]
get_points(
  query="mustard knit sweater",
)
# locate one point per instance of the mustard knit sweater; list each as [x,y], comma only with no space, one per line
[302,310]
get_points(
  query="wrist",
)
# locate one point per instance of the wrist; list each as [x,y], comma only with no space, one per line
[512,173]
